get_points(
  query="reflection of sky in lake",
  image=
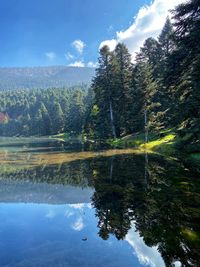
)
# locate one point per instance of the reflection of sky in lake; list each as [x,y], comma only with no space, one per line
[51,235]
[146,255]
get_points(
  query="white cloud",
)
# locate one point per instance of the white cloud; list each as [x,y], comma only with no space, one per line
[146,255]
[77,64]
[78,45]
[68,213]
[50,55]
[50,214]
[77,206]
[91,64]
[78,225]
[147,23]
[110,43]
[69,56]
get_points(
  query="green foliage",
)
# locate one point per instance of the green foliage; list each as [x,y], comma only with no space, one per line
[195,156]
[43,112]
[159,91]
[112,88]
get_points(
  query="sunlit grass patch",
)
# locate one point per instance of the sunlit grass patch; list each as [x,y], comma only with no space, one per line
[163,145]
[132,140]
[65,136]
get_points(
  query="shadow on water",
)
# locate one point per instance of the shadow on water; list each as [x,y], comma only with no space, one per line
[161,197]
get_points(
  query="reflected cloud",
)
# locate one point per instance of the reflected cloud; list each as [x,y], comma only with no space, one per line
[77,206]
[78,225]
[146,255]
[89,206]
[50,214]
[68,213]
[177,264]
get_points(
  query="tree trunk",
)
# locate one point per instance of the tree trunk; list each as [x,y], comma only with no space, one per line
[112,121]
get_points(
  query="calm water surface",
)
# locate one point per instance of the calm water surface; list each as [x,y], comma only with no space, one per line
[61,206]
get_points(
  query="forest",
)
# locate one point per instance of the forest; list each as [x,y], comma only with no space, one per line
[160,90]
[42,112]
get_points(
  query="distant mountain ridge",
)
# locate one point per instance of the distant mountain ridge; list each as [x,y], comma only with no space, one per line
[44,77]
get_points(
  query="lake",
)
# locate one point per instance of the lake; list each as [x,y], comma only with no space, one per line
[62,204]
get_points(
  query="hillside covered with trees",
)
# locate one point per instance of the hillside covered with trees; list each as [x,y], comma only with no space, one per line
[44,77]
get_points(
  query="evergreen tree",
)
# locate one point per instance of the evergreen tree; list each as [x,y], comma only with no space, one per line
[57,118]
[103,86]
[187,23]
[123,90]
[167,39]
[77,113]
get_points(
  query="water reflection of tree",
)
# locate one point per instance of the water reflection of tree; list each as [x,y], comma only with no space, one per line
[160,196]
[77,173]
[163,201]
[170,211]
[114,190]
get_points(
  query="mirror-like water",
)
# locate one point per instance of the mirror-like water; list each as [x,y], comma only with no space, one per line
[116,208]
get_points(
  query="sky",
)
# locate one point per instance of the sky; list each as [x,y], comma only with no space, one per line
[70,32]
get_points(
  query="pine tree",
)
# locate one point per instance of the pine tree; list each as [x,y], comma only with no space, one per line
[147,99]
[77,113]
[57,119]
[123,89]
[187,22]
[167,39]
[103,86]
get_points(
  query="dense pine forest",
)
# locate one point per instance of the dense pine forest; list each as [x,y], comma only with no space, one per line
[43,112]
[158,91]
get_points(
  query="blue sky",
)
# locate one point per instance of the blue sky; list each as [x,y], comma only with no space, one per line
[70,32]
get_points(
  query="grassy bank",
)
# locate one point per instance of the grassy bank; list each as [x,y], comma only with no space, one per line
[166,143]
[163,143]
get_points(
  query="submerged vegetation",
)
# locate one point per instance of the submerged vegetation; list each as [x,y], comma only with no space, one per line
[17,156]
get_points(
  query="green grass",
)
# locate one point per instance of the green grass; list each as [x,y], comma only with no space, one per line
[129,141]
[65,136]
[162,145]
[60,136]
